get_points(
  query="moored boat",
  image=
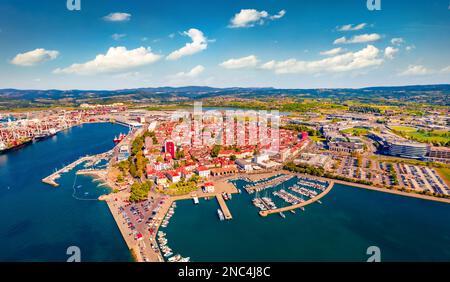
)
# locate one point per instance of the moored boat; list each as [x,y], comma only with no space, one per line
[220,213]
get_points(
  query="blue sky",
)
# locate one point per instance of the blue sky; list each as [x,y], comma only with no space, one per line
[115,44]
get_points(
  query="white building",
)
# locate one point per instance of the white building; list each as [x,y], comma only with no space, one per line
[173,176]
[203,171]
[244,165]
[260,158]
[208,187]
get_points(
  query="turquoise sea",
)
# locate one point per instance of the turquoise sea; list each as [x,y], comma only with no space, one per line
[39,222]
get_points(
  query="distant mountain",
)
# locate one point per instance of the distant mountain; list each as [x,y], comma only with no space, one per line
[434,94]
[435,87]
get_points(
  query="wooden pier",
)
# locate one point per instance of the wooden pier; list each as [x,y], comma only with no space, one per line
[224,207]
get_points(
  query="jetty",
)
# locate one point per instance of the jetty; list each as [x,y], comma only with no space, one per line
[51,179]
[224,207]
[299,205]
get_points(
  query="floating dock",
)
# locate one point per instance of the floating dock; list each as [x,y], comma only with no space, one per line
[224,207]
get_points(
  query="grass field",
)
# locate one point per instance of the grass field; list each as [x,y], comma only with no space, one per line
[317,139]
[437,137]
[391,159]
[404,128]
[356,131]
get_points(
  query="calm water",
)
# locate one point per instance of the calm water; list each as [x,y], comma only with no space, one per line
[39,222]
[341,229]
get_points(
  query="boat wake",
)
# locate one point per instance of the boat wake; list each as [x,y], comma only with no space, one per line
[74,188]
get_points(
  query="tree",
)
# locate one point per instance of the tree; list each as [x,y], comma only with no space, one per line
[133,170]
[215,151]
[139,192]
[124,166]
[194,178]
[179,154]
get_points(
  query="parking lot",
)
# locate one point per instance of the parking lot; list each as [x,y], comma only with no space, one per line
[141,222]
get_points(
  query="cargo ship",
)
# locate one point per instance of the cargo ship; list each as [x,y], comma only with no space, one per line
[120,138]
[14,145]
[42,136]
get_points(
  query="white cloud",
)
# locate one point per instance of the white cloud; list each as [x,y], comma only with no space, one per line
[363,38]
[446,69]
[390,52]
[118,36]
[116,59]
[332,52]
[198,44]
[367,57]
[251,17]
[245,62]
[117,17]
[340,40]
[127,75]
[414,70]
[278,16]
[397,41]
[350,27]
[196,71]
[410,48]
[34,57]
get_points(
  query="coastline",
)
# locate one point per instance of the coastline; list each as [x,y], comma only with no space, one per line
[368,187]
[221,186]
[395,192]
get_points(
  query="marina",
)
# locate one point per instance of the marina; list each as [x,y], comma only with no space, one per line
[167,251]
[51,179]
[169,215]
[309,234]
[300,192]
[297,202]
[263,184]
